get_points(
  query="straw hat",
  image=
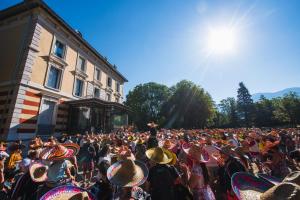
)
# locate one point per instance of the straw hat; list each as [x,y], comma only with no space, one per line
[152,125]
[127,173]
[60,152]
[68,192]
[159,155]
[196,152]
[174,159]
[293,177]
[38,172]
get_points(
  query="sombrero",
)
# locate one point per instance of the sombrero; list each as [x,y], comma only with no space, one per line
[174,159]
[127,173]
[196,152]
[248,187]
[271,179]
[60,152]
[68,192]
[38,172]
[159,155]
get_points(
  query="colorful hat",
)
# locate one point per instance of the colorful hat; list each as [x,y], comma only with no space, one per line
[38,172]
[3,154]
[196,152]
[127,173]
[248,187]
[271,179]
[159,155]
[60,152]
[68,192]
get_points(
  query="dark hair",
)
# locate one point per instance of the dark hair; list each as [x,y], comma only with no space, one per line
[205,173]
[103,151]
[103,166]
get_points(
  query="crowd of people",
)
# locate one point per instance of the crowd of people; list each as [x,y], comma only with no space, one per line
[160,164]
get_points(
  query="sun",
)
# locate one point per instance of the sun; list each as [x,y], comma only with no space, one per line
[221,40]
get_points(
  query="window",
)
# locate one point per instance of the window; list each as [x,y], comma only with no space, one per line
[81,64]
[78,87]
[109,81]
[118,87]
[59,49]
[97,74]
[54,77]
[108,97]
[97,92]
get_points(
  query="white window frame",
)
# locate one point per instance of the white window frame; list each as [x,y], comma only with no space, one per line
[95,74]
[107,97]
[108,77]
[117,83]
[99,91]
[74,87]
[50,64]
[54,117]
[65,48]
[77,63]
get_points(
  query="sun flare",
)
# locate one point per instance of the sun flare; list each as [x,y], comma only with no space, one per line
[221,40]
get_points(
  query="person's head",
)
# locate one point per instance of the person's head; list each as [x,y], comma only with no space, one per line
[102,167]
[104,151]
[32,154]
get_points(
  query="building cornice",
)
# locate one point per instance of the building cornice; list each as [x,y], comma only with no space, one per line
[29,5]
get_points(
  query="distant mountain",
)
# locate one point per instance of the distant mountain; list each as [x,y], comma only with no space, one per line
[271,95]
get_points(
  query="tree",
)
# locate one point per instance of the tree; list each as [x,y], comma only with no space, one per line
[145,101]
[245,105]
[264,112]
[288,109]
[228,108]
[188,107]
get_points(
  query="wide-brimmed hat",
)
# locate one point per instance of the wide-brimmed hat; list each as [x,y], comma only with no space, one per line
[196,152]
[271,179]
[60,152]
[68,192]
[159,155]
[127,173]
[227,150]
[248,187]
[152,125]
[38,172]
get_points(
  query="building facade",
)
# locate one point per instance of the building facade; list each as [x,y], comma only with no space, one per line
[51,79]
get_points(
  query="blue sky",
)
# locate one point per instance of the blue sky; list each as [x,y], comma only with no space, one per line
[165,40]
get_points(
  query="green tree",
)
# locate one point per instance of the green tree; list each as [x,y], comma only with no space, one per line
[245,105]
[288,109]
[228,108]
[264,112]
[145,101]
[188,107]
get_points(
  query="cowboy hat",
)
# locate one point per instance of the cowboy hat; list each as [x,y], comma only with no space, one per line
[68,192]
[159,155]
[127,173]
[60,152]
[38,172]
[195,152]
[168,144]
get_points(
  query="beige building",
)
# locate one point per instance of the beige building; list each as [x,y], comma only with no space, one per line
[51,79]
